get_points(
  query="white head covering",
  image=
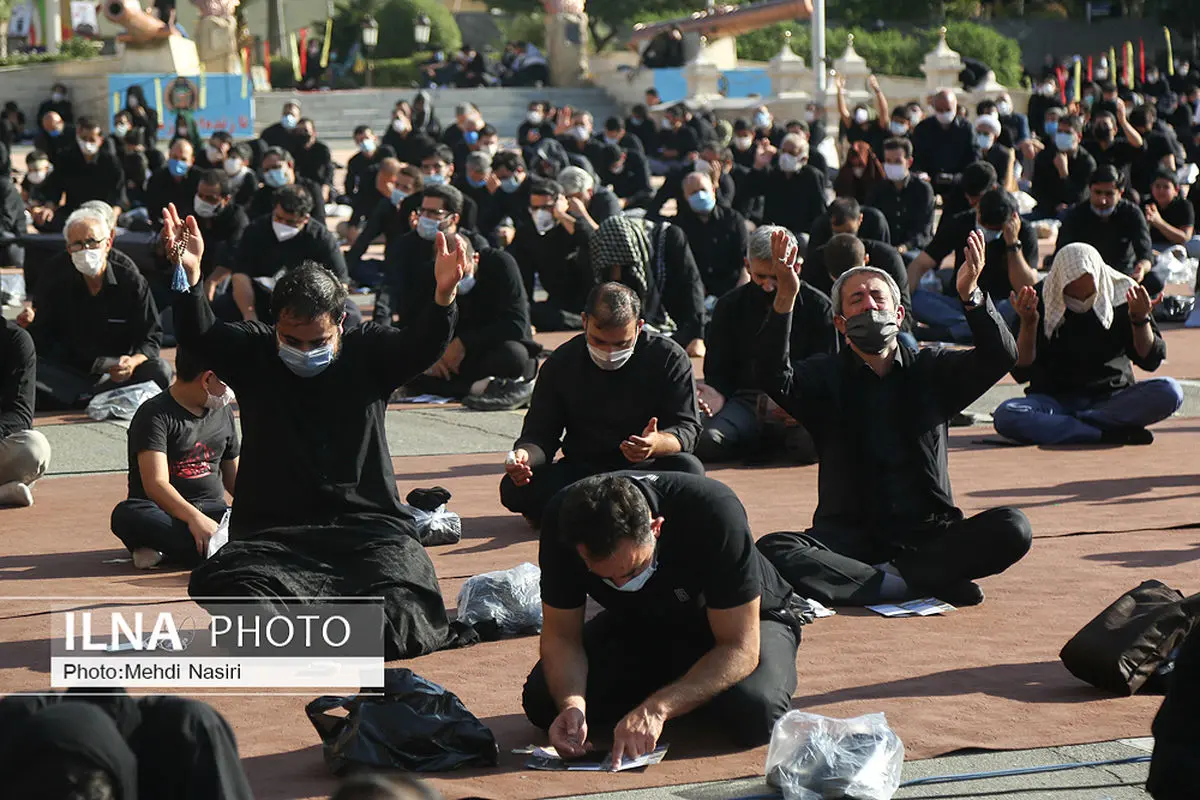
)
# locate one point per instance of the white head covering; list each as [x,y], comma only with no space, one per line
[988,123]
[1075,261]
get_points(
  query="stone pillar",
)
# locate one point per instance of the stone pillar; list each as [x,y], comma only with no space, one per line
[787,70]
[942,66]
[566,42]
[702,74]
[854,69]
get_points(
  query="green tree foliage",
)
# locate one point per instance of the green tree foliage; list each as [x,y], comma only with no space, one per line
[609,18]
[395,18]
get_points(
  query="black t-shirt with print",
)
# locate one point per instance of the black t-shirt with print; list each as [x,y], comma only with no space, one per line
[195,447]
[706,558]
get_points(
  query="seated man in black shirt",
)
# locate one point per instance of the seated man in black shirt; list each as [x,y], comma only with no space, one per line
[845,251]
[96,326]
[908,203]
[489,359]
[878,414]
[1106,148]
[1061,171]
[87,171]
[1010,259]
[739,420]
[174,183]
[317,512]
[183,455]
[360,163]
[611,397]
[314,161]
[1097,324]
[716,235]
[615,133]
[222,222]
[437,169]
[627,174]
[476,182]
[694,617]
[379,185]
[1116,227]
[592,205]
[547,244]
[1171,218]
[391,218]
[279,134]
[278,169]
[24,452]
[793,192]
[943,145]
[273,245]
[846,216]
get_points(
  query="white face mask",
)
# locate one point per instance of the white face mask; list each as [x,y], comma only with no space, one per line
[945,117]
[284,232]
[898,128]
[1079,306]
[213,155]
[204,209]
[895,172]
[610,360]
[639,581]
[1004,107]
[37,177]
[788,162]
[400,125]
[543,219]
[120,130]
[860,116]
[215,402]
[983,141]
[858,171]
[534,117]
[490,149]
[89,263]
[232,166]
[89,148]
[743,142]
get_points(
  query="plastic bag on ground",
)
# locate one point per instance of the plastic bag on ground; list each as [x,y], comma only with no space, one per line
[1177,266]
[416,725]
[814,758]
[503,603]
[122,402]
[437,527]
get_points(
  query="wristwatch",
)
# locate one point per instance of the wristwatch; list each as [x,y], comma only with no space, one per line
[975,300]
[1014,247]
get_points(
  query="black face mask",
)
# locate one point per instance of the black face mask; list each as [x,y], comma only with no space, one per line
[872,331]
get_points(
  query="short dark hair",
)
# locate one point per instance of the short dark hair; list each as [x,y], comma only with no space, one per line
[306,120]
[36,155]
[1106,173]
[740,124]
[415,173]
[601,511]
[308,292]
[996,207]
[362,130]
[977,178]
[443,153]
[546,188]
[843,251]
[612,305]
[1142,115]
[843,210]
[1071,121]
[640,109]
[189,365]
[983,105]
[222,136]
[899,143]
[86,124]
[218,178]
[614,124]
[452,199]
[679,110]
[294,199]
[508,160]
[242,151]
[488,130]
[1164,174]
[1107,86]
[280,153]
[652,91]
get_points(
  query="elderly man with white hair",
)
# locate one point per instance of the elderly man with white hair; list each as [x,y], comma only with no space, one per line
[1082,330]
[943,145]
[886,527]
[793,192]
[595,204]
[94,320]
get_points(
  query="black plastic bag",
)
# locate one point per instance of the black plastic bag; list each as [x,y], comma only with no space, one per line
[416,726]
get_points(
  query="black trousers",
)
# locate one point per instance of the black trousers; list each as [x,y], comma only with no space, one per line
[62,386]
[836,567]
[501,360]
[549,316]
[185,750]
[141,523]
[628,662]
[532,498]
[1175,767]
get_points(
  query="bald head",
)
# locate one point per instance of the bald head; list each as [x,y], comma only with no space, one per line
[945,101]
[697,182]
[390,167]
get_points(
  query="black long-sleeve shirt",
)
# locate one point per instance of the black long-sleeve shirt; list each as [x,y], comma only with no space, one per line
[718,245]
[672,189]
[81,180]
[76,327]
[222,237]
[1084,359]
[18,371]
[632,183]
[792,200]
[1051,189]
[943,151]
[589,411]
[263,202]
[879,255]
[909,211]
[556,257]
[165,188]
[994,280]
[736,321]
[1123,239]
[883,438]
[313,449]
[386,220]
[404,255]
[12,210]
[315,163]
[262,255]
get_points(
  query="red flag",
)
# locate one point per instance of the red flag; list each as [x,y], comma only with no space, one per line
[303,51]
[1141,60]
[1089,69]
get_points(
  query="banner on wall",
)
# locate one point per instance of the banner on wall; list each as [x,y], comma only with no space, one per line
[205,103]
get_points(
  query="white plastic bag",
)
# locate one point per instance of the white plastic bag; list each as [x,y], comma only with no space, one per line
[508,601]
[220,537]
[1179,268]
[813,757]
[123,402]
[437,527]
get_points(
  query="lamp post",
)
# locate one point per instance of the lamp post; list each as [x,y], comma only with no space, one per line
[370,38]
[422,28]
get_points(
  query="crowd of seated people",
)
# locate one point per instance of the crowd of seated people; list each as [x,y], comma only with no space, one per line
[809,288]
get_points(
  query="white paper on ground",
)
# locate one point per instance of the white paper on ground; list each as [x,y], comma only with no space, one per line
[913,608]
[547,758]
[220,537]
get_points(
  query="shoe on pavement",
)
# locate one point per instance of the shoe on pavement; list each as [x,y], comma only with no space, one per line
[501,394]
[16,494]
[146,558]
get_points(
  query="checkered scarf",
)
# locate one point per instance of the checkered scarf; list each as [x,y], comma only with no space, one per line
[1075,261]
[622,242]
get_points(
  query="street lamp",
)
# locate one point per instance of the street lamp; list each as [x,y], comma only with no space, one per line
[370,38]
[422,27]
